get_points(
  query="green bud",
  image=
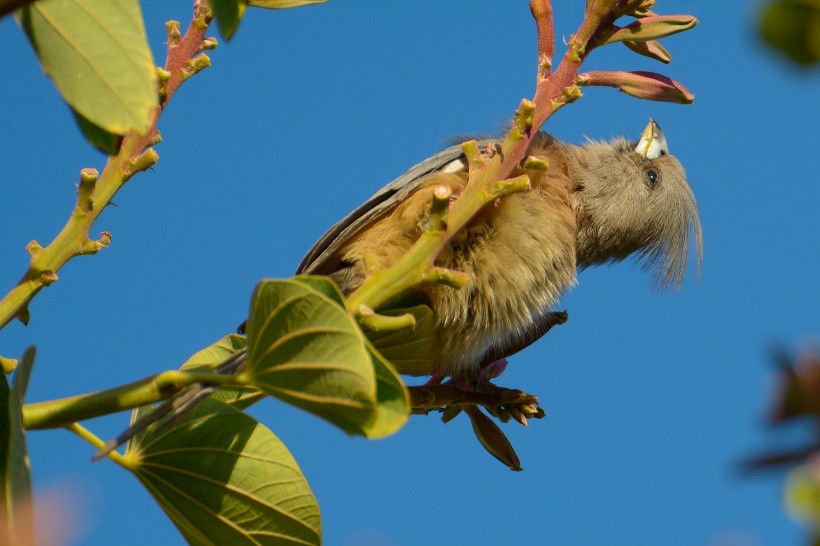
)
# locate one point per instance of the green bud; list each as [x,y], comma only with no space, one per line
[649,28]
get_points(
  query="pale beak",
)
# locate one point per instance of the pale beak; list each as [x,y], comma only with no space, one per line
[652,144]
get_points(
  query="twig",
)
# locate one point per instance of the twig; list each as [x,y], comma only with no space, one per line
[430,397]
[542,13]
[95,441]
[96,191]
[61,412]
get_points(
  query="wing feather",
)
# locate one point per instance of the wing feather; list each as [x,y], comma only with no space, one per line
[322,258]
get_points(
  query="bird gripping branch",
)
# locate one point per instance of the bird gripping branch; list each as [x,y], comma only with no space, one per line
[596,203]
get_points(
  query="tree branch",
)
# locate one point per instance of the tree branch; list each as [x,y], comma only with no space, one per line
[95,192]
[64,411]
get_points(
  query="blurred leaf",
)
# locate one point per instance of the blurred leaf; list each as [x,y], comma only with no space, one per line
[393,404]
[798,390]
[211,357]
[98,56]
[15,478]
[492,438]
[777,459]
[305,349]
[223,478]
[411,351]
[793,28]
[283,4]
[8,364]
[802,496]
[228,14]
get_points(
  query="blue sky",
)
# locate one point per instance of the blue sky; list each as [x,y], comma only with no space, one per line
[651,398]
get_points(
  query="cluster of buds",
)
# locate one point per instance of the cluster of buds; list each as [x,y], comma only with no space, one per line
[641,36]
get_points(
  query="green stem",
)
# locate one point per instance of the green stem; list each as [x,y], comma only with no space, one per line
[416,265]
[64,411]
[73,239]
[383,285]
[95,441]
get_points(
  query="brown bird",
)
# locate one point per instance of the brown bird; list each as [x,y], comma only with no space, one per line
[597,203]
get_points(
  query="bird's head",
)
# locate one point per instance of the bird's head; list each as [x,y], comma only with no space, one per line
[633,199]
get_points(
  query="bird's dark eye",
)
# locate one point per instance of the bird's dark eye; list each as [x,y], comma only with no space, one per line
[652,177]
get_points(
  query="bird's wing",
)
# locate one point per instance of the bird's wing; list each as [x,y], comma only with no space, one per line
[320,258]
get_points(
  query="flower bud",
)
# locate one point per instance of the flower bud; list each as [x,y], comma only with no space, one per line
[643,85]
[650,28]
[652,49]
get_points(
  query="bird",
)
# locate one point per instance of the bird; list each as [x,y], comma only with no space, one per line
[597,203]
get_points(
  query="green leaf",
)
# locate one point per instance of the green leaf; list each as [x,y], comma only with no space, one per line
[412,351]
[283,4]
[97,54]
[108,143]
[793,27]
[325,285]
[210,357]
[228,14]
[393,404]
[304,348]
[15,479]
[223,478]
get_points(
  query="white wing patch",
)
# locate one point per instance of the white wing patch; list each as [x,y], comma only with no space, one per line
[456,166]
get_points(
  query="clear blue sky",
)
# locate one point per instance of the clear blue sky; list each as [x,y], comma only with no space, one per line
[651,398]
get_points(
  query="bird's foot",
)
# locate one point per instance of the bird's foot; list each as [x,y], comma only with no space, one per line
[464,395]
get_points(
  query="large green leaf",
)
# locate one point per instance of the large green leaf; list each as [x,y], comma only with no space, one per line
[97,54]
[306,349]
[15,480]
[324,285]
[393,405]
[411,351]
[210,357]
[223,478]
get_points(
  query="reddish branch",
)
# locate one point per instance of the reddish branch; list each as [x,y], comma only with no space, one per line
[542,13]
[180,53]
[553,88]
